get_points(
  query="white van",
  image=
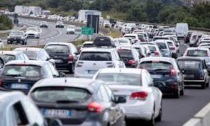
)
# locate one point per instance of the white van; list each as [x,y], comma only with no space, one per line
[181,29]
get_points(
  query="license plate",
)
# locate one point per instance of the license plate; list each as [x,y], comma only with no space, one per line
[156,76]
[92,71]
[57,113]
[58,61]
[19,86]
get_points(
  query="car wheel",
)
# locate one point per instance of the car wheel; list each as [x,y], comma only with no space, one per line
[159,117]
[151,122]
[177,93]
[182,91]
[203,85]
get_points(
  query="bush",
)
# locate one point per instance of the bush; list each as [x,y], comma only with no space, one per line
[5,23]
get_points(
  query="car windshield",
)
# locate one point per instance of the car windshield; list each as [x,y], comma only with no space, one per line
[60,94]
[125,53]
[87,45]
[22,70]
[16,33]
[189,64]
[122,41]
[32,55]
[152,48]
[56,48]
[155,65]
[161,45]
[96,56]
[197,53]
[130,37]
[120,78]
[7,57]
[140,36]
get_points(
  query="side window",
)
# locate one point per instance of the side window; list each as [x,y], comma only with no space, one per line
[109,92]
[18,57]
[102,94]
[117,55]
[19,115]
[21,56]
[148,79]
[55,72]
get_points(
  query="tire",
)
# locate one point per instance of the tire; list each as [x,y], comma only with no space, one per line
[71,68]
[203,85]
[182,91]
[159,117]
[151,122]
[177,94]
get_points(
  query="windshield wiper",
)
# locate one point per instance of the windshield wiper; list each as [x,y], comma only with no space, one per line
[66,101]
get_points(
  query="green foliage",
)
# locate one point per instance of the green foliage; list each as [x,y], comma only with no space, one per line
[5,23]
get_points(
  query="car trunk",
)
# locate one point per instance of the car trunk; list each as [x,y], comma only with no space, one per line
[191,74]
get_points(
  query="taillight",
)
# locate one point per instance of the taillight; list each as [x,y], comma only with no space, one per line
[139,95]
[172,72]
[131,62]
[156,53]
[95,107]
[70,58]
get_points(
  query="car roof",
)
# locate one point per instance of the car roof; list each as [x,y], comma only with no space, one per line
[6,96]
[165,59]
[95,49]
[197,48]
[130,35]
[88,42]
[58,43]
[10,52]
[88,84]
[27,62]
[121,70]
[28,49]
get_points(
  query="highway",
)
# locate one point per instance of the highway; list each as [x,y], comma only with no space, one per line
[175,111]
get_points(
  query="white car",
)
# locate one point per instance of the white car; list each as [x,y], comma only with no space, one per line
[133,38]
[71,29]
[154,50]
[33,32]
[205,45]
[93,59]
[123,42]
[164,48]
[87,44]
[173,48]
[59,24]
[143,99]
[43,24]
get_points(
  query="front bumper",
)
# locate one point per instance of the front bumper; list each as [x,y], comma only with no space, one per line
[18,40]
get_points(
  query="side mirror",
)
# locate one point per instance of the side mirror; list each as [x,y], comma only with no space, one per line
[53,122]
[120,99]
[159,84]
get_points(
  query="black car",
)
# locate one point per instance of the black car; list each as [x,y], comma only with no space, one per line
[21,75]
[79,102]
[163,69]
[64,54]
[194,70]
[187,38]
[17,37]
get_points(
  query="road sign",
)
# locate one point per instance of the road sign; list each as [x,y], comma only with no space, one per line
[87,31]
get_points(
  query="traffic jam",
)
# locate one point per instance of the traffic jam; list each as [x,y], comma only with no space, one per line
[105,82]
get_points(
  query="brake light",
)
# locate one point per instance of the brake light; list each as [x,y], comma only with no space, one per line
[172,72]
[131,62]
[139,95]
[95,107]
[70,58]
[156,53]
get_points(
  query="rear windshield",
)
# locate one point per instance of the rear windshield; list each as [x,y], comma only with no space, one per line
[7,57]
[87,45]
[154,39]
[156,65]
[141,36]
[161,45]
[96,56]
[22,71]
[170,44]
[60,94]
[120,78]
[56,48]
[122,41]
[32,55]
[189,64]
[197,53]
[125,53]
[152,48]
[130,37]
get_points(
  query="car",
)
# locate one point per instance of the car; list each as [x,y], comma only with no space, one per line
[64,55]
[145,38]
[205,45]
[59,24]
[203,41]
[195,71]
[123,42]
[76,101]
[164,48]
[71,29]
[144,100]
[187,38]
[36,54]
[129,56]
[154,50]
[173,48]
[133,38]
[193,39]
[142,50]
[92,59]
[166,70]
[43,24]
[22,75]
[12,55]
[156,38]
[17,37]
[182,30]
[33,32]
[86,44]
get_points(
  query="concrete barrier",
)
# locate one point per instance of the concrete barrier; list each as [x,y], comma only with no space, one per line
[202,118]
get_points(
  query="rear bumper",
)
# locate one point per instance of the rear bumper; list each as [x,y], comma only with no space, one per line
[193,81]
[93,123]
[78,75]
[63,66]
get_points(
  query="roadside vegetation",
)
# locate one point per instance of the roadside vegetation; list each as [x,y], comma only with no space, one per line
[5,23]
